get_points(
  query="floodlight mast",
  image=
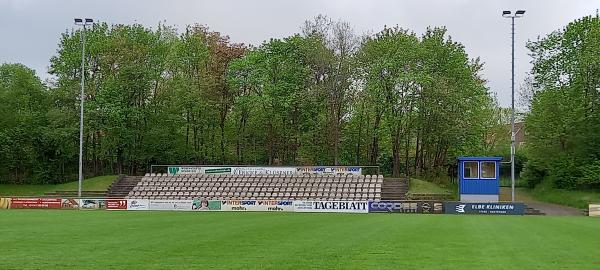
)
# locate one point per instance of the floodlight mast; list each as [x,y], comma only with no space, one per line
[83,23]
[508,14]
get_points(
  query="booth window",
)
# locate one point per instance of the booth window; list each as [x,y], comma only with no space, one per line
[488,169]
[471,169]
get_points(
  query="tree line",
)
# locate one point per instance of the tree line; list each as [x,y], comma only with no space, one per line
[563,125]
[325,96]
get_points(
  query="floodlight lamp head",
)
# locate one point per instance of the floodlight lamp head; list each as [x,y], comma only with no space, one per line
[506,13]
[87,20]
[77,21]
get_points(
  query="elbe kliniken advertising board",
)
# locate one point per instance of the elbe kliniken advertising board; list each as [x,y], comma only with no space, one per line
[421,207]
[331,206]
[500,208]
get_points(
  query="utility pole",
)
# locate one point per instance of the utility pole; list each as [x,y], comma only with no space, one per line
[83,23]
[507,14]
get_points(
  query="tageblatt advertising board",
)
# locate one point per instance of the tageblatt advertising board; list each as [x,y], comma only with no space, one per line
[331,206]
[257,205]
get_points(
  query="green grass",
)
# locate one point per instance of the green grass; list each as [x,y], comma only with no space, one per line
[95,183]
[418,186]
[574,198]
[69,239]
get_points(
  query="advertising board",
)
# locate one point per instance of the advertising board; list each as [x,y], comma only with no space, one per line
[173,205]
[206,205]
[69,203]
[500,208]
[5,203]
[331,206]
[35,203]
[116,204]
[421,207]
[92,204]
[257,205]
[137,204]
[594,210]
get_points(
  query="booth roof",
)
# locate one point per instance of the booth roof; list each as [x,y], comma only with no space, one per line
[480,158]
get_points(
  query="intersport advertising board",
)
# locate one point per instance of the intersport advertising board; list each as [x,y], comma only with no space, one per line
[257,205]
[331,206]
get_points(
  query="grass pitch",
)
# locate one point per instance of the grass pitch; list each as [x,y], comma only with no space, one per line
[55,239]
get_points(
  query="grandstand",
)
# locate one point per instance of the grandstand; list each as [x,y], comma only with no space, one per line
[258,187]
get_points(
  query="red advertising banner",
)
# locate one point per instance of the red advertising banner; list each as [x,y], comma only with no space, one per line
[116,204]
[32,203]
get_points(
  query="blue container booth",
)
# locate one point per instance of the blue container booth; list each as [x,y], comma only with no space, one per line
[479,179]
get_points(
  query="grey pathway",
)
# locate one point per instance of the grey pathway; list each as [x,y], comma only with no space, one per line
[549,209]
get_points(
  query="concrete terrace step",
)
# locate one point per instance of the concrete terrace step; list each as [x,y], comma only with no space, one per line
[123,185]
[394,189]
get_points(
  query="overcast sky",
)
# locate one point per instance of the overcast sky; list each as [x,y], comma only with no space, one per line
[30,29]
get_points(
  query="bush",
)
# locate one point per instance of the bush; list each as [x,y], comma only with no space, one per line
[590,175]
[532,175]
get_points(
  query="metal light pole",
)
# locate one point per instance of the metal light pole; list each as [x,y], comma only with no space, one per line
[508,14]
[83,23]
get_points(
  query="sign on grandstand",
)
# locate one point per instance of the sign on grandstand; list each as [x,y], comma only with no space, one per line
[329,170]
[173,170]
[257,205]
[421,207]
[264,170]
[231,170]
[331,206]
[484,208]
[137,204]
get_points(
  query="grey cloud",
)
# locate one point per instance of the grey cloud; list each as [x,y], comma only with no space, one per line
[31,28]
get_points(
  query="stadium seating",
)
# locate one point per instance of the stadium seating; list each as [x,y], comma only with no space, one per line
[258,187]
